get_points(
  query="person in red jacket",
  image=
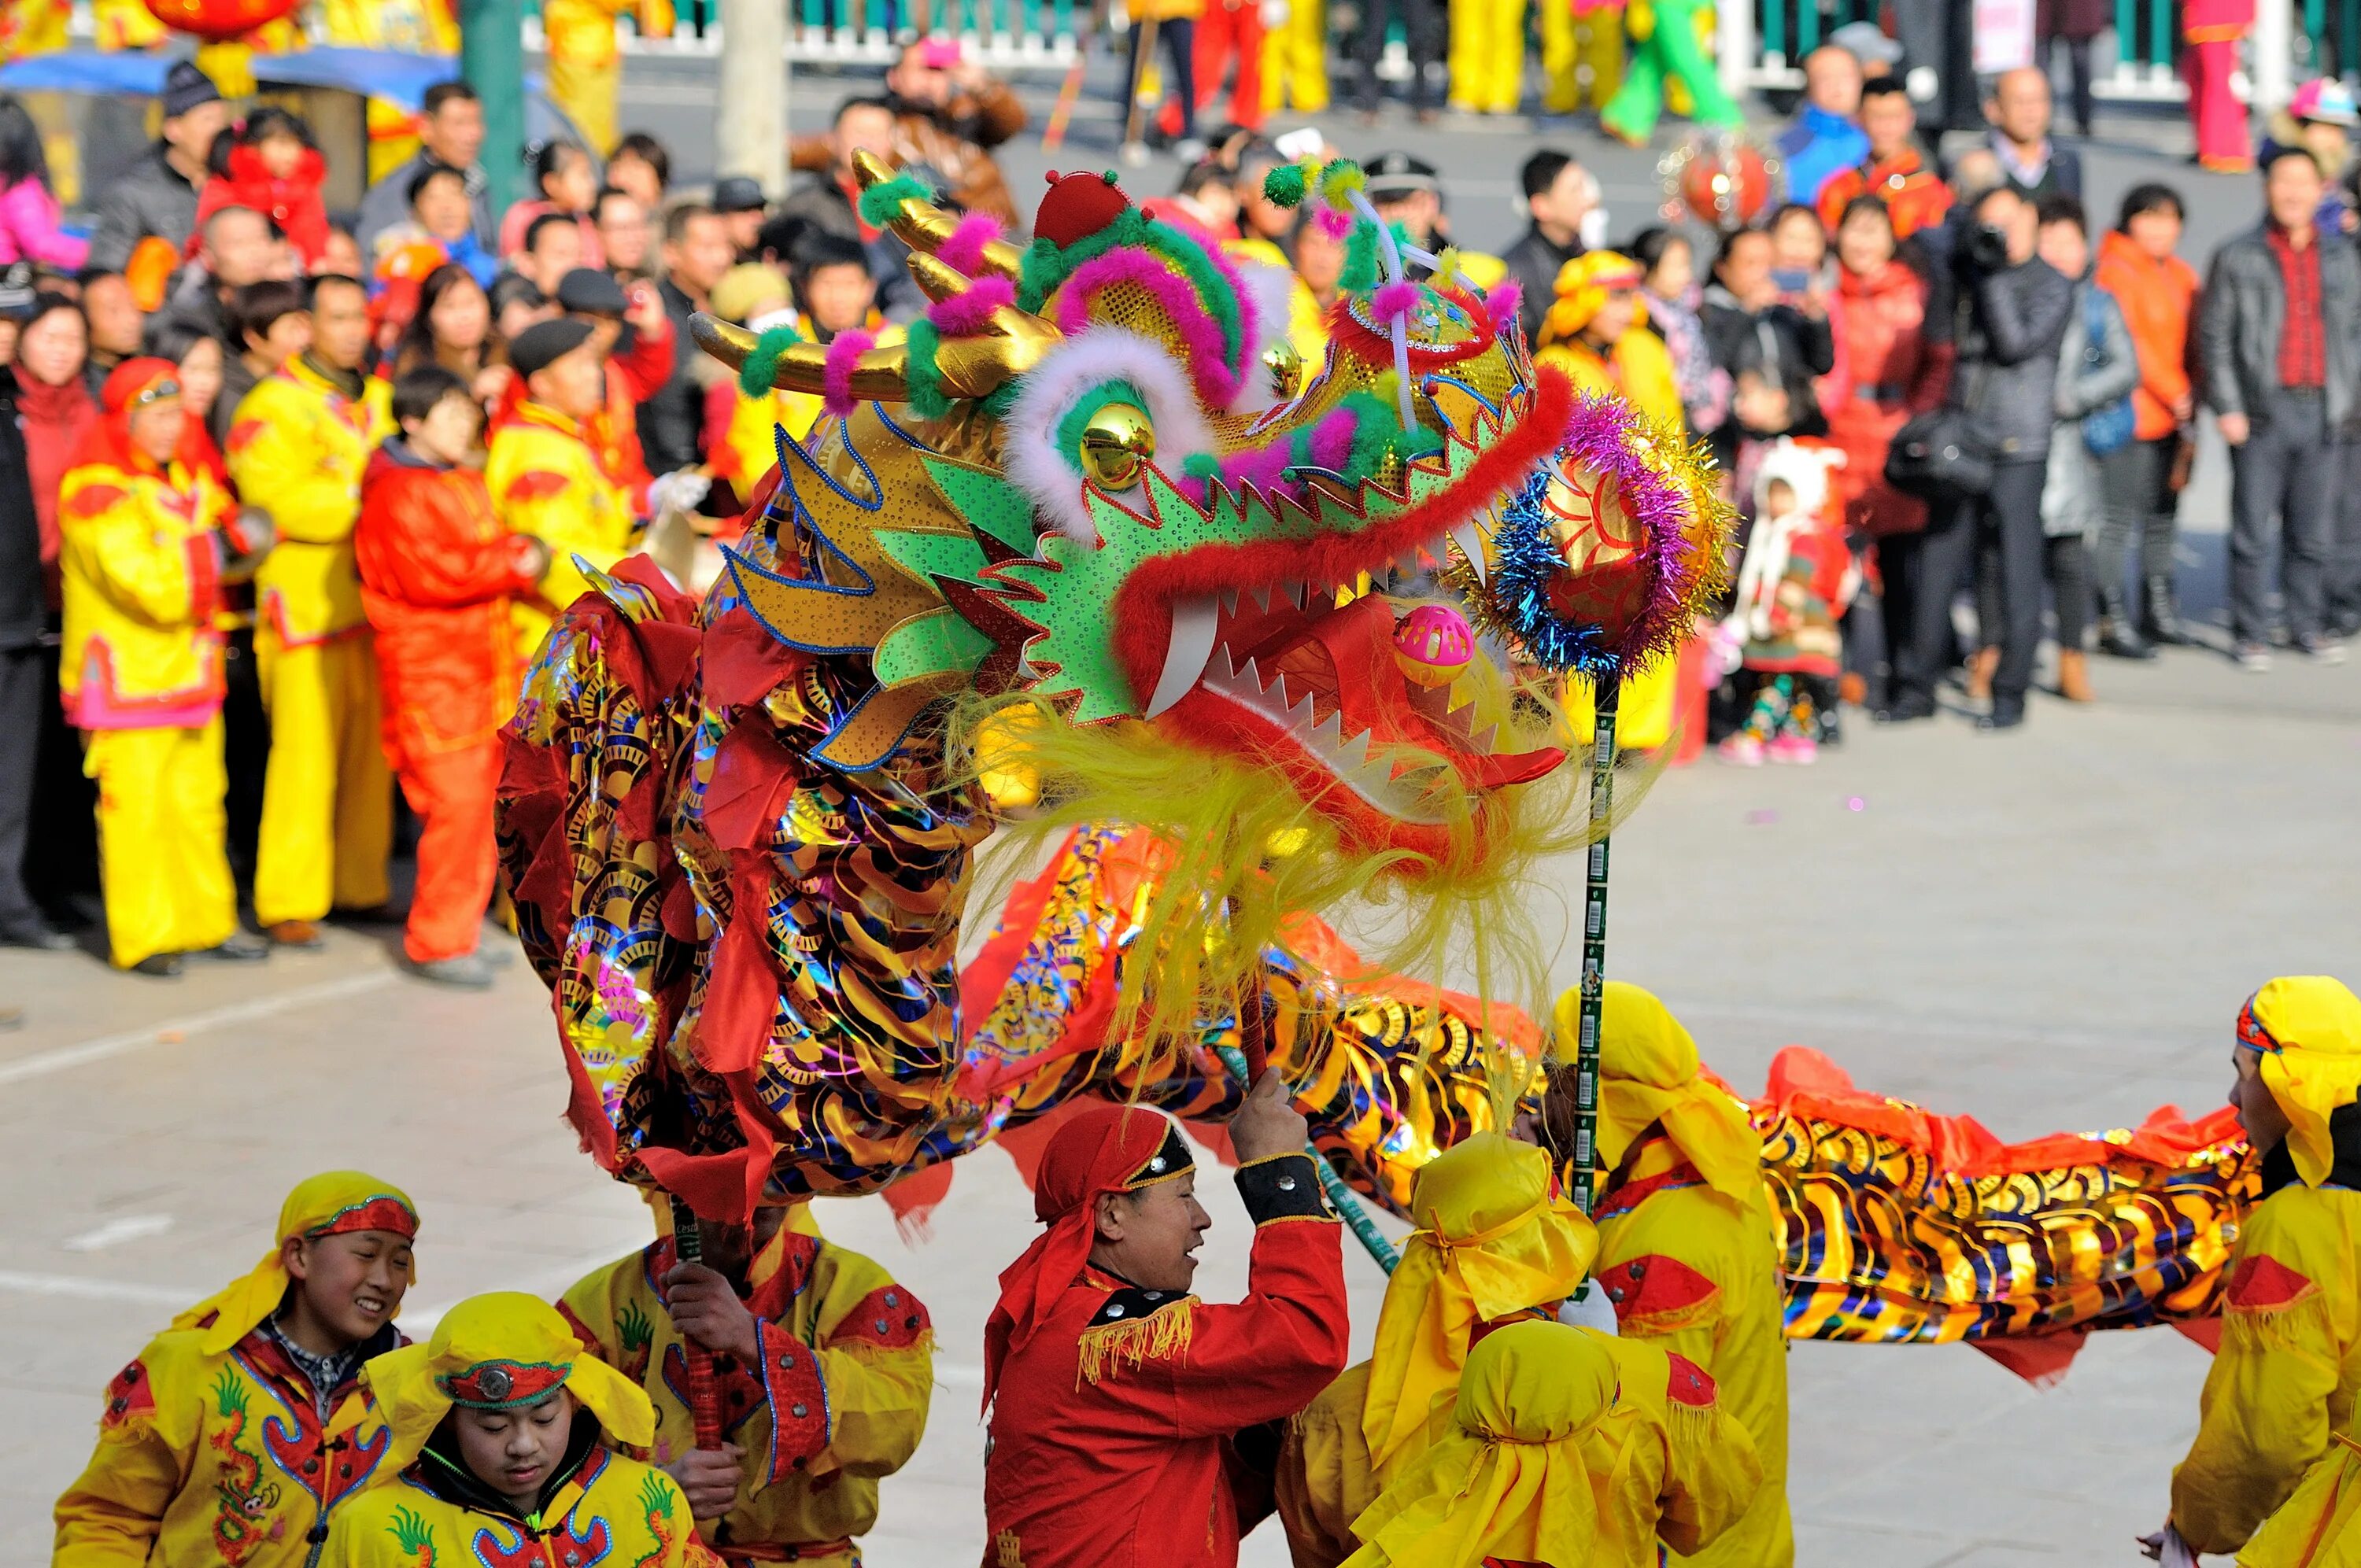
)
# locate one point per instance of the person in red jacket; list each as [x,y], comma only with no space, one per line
[272,166]
[1124,1409]
[437,573]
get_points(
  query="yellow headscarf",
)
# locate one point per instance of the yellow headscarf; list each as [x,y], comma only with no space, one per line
[1508,1480]
[331,1203]
[1648,1072]
[1491,1242]
[495,1351]
[1583,285]
[2308,1030]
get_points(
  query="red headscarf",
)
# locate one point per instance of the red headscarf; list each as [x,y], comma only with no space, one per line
[1108,1148]
[109,441]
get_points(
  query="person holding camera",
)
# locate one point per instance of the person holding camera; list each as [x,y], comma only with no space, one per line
[2012,314]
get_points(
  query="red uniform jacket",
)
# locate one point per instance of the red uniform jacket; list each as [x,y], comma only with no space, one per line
[1111,1433]
[295,204]
[437,573]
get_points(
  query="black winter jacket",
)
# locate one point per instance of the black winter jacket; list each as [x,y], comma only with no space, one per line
[2006,376]
[21,600]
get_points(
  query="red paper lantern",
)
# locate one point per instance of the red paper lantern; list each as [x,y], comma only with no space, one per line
[1721,179]
[217,21]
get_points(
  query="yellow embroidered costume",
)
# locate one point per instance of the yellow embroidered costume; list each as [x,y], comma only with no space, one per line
[1685,1249]
[2274,1457]
[1564,1445]
[214,1447]
[1495,1242]
[503,1352]
[546,480]
[298,445]
[838,1400]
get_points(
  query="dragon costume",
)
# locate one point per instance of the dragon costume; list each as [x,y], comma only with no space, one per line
[1083,535]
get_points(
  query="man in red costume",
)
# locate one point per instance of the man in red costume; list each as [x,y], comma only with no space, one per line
[1116,1394]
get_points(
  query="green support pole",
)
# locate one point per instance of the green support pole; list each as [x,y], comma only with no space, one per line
[491,58]
[2160,33]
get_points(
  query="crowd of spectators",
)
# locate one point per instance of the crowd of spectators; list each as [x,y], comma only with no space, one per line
[514,391]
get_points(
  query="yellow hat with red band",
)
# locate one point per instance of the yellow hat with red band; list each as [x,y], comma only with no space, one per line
[2308,1029]
[334,1203]
[1583,285]
[498,1352]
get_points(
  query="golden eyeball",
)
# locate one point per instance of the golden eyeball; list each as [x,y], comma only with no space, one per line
[1286,368]
[1116,444]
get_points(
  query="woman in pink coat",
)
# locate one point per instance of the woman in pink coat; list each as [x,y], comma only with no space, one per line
[29,213]
[2213,29]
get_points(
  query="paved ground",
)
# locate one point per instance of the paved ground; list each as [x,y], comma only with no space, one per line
[2049,929]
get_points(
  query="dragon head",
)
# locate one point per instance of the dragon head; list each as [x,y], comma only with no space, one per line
[1111,488]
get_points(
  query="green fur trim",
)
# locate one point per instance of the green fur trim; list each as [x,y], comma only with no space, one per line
[1078,418]
[1284,186]
[881,204]
[1047,266]
[1201,465]
[1360,272]
[923,377]
[1000,402]
[756,377]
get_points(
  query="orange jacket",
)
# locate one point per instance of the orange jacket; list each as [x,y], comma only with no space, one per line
[1914,194]
[439,573]
[2159,301]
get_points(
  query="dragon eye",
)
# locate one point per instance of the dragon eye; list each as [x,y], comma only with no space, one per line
[1116,443]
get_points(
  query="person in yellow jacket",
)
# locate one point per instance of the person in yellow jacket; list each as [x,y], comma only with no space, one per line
[586,62]
[545,476]
[2271,1476]
[298,445]
[235,1436]
[1564,1445]
[142,555]
[1595,330]
[504,1442]
[1686,1252]
[1495,1244]
[1295,60]
[824,1366]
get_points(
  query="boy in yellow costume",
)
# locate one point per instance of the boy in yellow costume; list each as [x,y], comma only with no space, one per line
[822,1363]
[545,477]
[501,1448]
[2272,1474]
[143,555]
[1687,1255]
[234,1437]
[298,445]
[1544,1414]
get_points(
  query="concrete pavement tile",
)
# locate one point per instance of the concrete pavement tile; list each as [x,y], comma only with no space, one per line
[1829,1543]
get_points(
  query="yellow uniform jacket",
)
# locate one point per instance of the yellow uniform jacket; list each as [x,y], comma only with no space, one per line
[1695,1273]
[2273,1457]
[142,575]
[613,1512]
[839,1401]
[206,1460]
[297,449]
[1668,1461]
[1637,369]
[546,480]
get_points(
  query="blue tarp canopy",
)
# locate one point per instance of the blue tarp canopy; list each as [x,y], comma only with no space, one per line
[401,79]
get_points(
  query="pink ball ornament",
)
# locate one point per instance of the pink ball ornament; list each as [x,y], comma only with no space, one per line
[1432,644]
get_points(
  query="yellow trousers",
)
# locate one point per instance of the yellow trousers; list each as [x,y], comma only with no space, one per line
[586,92]
[1487,53]
[327,795]
[1645,708]
[1582,56]
[1295,60]
[162,841]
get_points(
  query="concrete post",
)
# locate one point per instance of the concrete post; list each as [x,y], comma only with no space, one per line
[1734,45]
[2274,53]
[750,112]
[491,58]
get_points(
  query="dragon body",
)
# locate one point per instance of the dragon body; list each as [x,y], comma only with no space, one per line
[1271,620]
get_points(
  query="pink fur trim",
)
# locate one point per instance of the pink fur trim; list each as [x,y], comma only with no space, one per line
[1216,382]
[966,314]
[1501,302]
[1334,222]
[1395,299]
[835,374]
[964,251]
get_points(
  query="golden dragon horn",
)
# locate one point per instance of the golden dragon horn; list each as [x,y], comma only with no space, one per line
[1012,343]
[923,226]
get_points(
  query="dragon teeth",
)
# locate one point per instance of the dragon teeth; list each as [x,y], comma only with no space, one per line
[1469,537]
[1196,624]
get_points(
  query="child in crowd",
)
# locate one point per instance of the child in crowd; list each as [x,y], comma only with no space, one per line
[501,1428]
[234,1436]
[271,164]
[567,182]
[442,215]
[835,289]
[1593,331]
[553,247]
[438,576]
[1799,252]
[1798,579]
